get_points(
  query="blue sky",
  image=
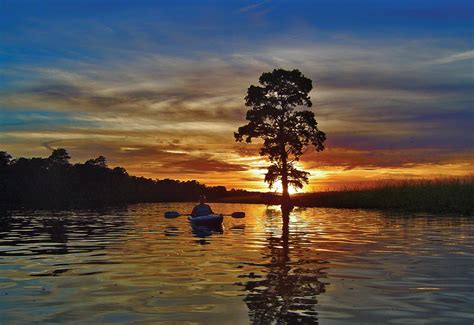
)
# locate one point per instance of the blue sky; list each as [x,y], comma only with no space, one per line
[50,30]
[158,86]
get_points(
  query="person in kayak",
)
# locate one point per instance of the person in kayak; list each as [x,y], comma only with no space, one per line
[202,209]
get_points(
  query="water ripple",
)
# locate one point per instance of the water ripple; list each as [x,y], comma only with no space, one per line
[329,265]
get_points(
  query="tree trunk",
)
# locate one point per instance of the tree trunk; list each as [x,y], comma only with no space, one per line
[285,196]
[284,181]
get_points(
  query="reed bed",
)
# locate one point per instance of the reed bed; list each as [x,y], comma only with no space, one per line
[440,195]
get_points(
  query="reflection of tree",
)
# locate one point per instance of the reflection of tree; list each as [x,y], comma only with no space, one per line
[288,292]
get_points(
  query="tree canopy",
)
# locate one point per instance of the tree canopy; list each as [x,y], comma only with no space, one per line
[274,116]
[59,156]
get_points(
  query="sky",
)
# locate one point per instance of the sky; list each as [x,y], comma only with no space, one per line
[158,87]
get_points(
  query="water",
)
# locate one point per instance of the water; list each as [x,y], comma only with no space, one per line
[131,265]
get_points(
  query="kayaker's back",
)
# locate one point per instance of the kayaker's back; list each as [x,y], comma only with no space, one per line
[201,209]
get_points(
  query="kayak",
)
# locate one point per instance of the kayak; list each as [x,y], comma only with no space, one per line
[211,220]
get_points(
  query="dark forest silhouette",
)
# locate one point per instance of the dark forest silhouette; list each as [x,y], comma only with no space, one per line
[55,182]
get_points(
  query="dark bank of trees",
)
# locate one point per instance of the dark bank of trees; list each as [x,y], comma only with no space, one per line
[55,182]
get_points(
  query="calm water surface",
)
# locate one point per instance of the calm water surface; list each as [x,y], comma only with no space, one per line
[131,265]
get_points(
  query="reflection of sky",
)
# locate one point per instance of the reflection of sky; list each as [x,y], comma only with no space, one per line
[92,267]
[158,88]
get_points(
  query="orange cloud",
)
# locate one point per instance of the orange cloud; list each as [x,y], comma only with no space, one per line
[389,110]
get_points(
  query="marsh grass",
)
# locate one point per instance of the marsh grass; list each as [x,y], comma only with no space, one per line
[447,194]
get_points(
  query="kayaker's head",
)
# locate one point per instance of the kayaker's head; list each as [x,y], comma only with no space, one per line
[202,199]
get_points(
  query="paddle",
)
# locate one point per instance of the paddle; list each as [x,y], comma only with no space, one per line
[175,214]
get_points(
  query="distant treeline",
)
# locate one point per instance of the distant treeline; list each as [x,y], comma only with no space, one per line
[55,182]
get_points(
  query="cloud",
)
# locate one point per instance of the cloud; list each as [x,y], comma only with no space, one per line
[253,7]
[351,85]
[456,10]
[257,12]
[378,159]
[467,55]
[204,165]
[382,105]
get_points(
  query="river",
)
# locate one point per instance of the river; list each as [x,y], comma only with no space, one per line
[337,266]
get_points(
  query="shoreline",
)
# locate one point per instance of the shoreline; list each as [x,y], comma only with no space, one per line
[448,195]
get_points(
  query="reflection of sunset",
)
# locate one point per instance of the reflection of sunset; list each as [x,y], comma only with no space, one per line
[135,261]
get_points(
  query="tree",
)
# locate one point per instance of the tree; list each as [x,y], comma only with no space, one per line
[5,159]
[59,157]
[285,131]
[100,161]
[120,171]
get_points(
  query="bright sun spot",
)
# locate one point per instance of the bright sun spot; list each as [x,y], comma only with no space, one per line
[278,188]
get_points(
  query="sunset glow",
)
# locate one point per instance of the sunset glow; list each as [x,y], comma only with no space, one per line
[236,161]
[161,92]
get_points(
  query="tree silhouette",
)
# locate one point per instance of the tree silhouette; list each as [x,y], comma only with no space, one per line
[55,183]
[285,131]
[100,161]
[59,157]
[120,171]
[5,159]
